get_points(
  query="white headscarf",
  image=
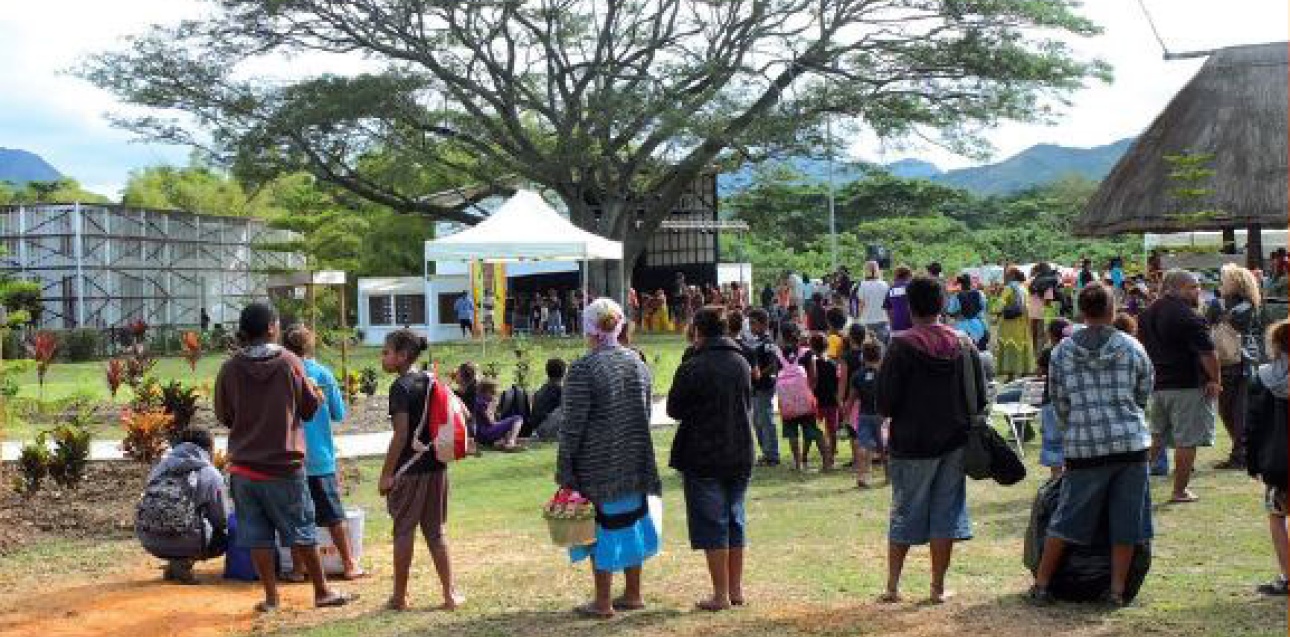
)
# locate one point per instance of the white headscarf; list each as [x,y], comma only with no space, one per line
[603,321]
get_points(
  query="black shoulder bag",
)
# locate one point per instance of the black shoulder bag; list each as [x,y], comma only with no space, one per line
[987,454]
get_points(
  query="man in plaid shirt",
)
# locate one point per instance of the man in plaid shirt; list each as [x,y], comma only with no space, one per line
[1100,381]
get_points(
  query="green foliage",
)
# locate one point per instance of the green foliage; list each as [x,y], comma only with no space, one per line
[71,453]
[82,344]
[368,381]
[24,297]
[34,462]
[63,190]
[179,401]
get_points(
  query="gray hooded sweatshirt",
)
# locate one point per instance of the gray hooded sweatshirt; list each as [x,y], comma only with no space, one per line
[208,491]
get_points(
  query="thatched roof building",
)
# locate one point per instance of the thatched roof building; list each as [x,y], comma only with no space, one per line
[1232,118]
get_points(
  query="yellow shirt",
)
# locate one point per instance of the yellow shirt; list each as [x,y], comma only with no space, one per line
[834,350]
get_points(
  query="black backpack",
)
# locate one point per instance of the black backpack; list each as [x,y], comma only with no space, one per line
[515,402]
[969,303]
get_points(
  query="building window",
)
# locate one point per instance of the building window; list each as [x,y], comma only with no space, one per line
[380,310]
[410,309]
[448,313]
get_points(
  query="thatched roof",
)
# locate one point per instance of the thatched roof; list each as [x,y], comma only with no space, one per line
[1234,110]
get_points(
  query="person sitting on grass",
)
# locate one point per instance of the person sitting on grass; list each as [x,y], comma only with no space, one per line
[1266,443]
[320,454]
[502,434]
[414,483]
[197,529]
[1101,383]
[547,398]
[263,397]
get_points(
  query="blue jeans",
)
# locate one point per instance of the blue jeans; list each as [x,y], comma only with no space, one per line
[928,499]
[1118,493]
[265,506]
[764,424]
[714,512]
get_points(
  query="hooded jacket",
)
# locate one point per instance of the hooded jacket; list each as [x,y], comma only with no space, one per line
[921,388]
[1266,439]
[711,397]
[189,460]
[262,396]
[1100,382]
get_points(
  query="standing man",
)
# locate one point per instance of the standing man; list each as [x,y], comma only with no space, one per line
[1100,381]
[928,487]
[1188,380]
[765,365]
[896,304]
[679,303]
[465,309]
[263,397]
[872,298]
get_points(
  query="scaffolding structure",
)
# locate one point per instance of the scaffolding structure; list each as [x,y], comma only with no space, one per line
[102,266]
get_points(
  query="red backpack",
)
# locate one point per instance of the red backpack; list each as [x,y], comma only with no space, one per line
[445,418]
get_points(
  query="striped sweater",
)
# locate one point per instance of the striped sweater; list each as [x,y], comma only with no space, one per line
[605,447]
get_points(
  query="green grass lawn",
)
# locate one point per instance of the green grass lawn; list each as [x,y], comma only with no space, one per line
[815,563]
[65,382]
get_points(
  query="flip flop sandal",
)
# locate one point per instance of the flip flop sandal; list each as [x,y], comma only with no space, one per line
[1184,499]
[337,599]
[266,608]
[397,607]
[589,610]
[622,605]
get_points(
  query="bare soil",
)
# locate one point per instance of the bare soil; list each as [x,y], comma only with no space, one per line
[101,507]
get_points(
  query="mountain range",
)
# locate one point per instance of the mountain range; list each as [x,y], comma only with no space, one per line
[1035,166]
[19,167]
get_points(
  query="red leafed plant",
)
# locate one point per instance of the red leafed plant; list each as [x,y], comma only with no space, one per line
[146,434]
[192,343]
[42,349]
[114,371]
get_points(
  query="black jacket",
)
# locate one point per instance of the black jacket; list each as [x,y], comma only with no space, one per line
[1266,440]
[711,397]
[925,398]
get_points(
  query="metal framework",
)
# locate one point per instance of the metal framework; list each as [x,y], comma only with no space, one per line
[106,265]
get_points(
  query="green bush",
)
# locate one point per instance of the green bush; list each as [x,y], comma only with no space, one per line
[81,345]
[71,453]
[34,462]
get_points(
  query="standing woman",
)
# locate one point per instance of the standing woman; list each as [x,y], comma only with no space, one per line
[711,397]
[968,306]
[1016,349]
[607,455]
[1237,305]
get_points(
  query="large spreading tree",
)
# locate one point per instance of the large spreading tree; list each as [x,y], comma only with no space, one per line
[615,106]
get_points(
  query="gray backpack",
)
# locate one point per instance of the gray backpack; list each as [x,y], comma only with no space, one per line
[168,507]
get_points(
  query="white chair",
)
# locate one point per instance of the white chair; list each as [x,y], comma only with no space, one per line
[1021,407]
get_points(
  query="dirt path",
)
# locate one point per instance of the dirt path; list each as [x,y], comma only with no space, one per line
[134,601]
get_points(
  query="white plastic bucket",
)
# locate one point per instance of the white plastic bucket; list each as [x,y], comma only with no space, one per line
[355,520]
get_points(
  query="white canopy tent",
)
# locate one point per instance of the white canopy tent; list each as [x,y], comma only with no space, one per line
[525,228]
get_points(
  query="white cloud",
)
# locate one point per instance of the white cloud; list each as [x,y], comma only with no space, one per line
[60,117]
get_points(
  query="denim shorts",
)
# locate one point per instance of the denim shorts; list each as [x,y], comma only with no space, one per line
[714,511]
[868,429]
[804,427]
[325,493]
[1052,452]
[1118,492]
[928,499]
[265,506]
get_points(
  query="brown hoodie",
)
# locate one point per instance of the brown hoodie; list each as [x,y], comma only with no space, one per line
[262,396]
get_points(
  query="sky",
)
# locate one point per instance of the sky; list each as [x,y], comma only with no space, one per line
[45,110]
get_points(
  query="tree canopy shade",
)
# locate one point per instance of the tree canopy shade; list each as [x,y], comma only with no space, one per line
[616,106]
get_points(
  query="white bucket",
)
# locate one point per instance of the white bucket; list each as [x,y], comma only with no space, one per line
[355,520]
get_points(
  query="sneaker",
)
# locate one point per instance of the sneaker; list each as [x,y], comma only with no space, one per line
[1278,587]
[1040,596]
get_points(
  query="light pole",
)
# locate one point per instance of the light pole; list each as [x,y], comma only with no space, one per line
[833,230]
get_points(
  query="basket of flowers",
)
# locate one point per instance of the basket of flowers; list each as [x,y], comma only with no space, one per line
[570,518]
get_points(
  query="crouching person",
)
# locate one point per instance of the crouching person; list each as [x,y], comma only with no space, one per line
[181,516]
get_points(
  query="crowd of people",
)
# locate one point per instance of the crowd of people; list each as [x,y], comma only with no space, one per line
[900,369]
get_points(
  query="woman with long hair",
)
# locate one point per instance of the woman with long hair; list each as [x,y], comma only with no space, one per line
[1236,308]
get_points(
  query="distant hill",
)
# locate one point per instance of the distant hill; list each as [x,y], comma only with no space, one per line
[19,167]
[1035,166]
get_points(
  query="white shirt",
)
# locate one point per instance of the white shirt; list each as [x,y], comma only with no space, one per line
[872,293]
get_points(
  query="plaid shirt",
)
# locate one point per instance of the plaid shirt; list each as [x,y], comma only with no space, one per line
[1101,394]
